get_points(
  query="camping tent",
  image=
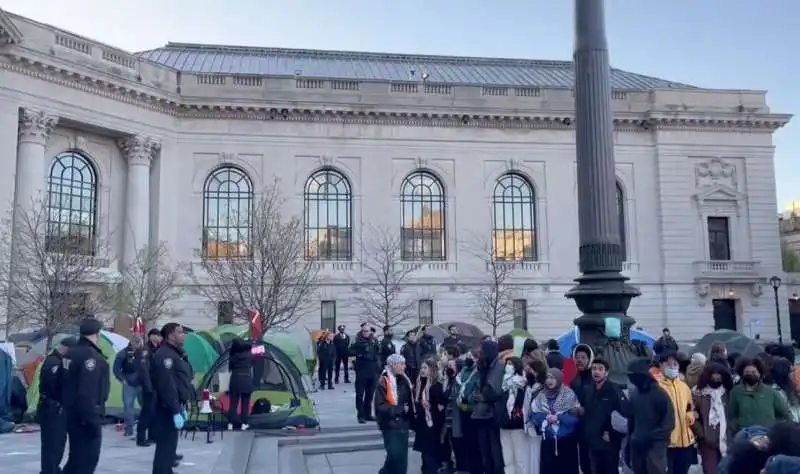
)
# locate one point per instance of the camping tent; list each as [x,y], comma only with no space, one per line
[114,405]
[201,354]
[212,340]
[569,340]
[277,379]
[6,375]
[735,343]
[304,339]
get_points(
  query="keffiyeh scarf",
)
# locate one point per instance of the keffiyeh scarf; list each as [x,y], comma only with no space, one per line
[512,384]
[530,394]
[716,415]
[561,402]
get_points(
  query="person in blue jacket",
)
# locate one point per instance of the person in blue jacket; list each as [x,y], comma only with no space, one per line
[554,416]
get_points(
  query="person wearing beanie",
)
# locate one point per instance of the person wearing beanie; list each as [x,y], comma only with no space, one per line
[86,387]
[49,414]
[695,368]
[394,412]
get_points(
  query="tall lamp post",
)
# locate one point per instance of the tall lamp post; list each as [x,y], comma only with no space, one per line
[602,291]
[775,282]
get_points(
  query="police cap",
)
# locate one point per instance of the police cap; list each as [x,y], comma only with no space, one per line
[90,327]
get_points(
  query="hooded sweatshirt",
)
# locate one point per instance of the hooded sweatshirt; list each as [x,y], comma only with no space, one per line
[651,415]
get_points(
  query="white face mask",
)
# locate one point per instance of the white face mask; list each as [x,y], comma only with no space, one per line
[509,369]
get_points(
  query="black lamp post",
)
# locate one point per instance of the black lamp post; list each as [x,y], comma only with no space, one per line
[775,282]
[602,290]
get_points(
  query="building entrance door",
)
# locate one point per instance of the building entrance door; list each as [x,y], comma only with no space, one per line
[725,314]
[794,320]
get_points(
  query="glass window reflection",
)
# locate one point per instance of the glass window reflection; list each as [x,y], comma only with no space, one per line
[227,201]
[514,233]
[72,205]
[422,207]
[328,219]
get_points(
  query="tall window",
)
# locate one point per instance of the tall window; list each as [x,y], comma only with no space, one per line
[227,202]
[623,233]
[423,221]
[425,312]
[224,312]
[719,238]
[328,223]
[514,224]
[72,205]
[520,314]
[327,318]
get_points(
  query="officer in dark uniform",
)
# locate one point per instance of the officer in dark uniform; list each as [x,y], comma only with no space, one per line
[171,376]
[86,387]
[387,346]
[141,361]
[50,410]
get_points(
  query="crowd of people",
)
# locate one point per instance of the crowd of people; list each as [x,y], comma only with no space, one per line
[485,411]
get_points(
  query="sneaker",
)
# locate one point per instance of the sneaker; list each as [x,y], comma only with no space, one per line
[245,426]
[230,427]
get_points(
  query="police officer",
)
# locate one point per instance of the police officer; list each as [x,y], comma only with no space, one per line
[387,346]
[172,384]
[86,387]
[50,411]
[141,359]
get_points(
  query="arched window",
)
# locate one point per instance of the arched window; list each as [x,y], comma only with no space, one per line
[328,220]
[227,203]
[514,218]
[623,233]
[422,228]
[72,205]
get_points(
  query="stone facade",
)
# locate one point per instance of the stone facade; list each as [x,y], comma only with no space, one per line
[154,134]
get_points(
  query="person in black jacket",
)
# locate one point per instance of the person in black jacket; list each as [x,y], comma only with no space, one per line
[172,382]
[326,353]
[427,344]
[651,419]
[554,358]
[600,399]
[50,410]
[342,343]
[141,361]
[412,353]
[86,387]
[665,343]
[240,365]
[582,355]
[394,411]
[387,346]
[365,350]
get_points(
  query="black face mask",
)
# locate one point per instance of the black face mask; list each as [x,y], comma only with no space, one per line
[468,363]
[751,380]
[450,373]
[715,384]
[531,378]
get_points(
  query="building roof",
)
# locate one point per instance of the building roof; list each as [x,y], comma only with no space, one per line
[359,66]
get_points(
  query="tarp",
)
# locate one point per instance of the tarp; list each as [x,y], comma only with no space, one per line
[114,406]
[278,380]
[569,340]
[201,354]
[6,375]
[735,343]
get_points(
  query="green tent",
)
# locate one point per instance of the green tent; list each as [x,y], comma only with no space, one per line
[291,348]
[201,354]
[521,333]
[114,407]
[212,340]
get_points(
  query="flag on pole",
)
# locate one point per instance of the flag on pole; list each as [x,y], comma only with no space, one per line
[256,324]
[139,327]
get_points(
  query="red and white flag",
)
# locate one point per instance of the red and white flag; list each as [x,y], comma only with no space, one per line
[256,324]
[139,327]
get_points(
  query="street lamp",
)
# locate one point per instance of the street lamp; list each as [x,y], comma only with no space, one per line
[775,282]
[602,290]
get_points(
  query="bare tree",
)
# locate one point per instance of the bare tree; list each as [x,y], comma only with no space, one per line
[381,297]
[51,274]
[149,287]
[263,271]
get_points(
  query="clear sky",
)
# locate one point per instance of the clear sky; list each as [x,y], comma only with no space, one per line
[730,44]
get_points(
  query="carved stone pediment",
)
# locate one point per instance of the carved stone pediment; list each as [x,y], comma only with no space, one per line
[718,192]
[715,172]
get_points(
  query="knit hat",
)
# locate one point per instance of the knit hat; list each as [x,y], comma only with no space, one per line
[395,359]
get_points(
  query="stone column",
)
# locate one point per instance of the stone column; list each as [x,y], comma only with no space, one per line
[602,290]
[31,177]
[139,152]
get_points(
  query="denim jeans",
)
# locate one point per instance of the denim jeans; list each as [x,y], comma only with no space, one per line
[130,395]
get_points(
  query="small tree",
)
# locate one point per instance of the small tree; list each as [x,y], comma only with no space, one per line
[494,296]
[381,296]
[51,274]
[790,259]
[149,287]
[263,271]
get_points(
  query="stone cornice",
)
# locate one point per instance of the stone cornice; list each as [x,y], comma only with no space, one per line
[138,149]
[123,91]
[35,125]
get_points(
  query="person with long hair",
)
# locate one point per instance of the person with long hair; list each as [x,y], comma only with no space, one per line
[430,404]
[241,386]
[449,455]
[784,384]
[553,413]
[710,397]
[535,377]
[512,435]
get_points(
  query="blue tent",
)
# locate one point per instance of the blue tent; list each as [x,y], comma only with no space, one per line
[569,340]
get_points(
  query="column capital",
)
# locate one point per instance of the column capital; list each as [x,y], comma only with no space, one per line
[139,149]
[36,125]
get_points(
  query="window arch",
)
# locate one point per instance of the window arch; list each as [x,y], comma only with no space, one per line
[328,216]
[514,206]
[422,208]
[72,205]
[623,233]
[227,204]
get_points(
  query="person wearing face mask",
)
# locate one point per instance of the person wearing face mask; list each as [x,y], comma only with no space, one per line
[535,377]
[681,453]
[651,419]
[710,397]
[512,435]
[752,402]
[468,381]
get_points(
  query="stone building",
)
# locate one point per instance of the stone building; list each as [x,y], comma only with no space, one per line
[439,149]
